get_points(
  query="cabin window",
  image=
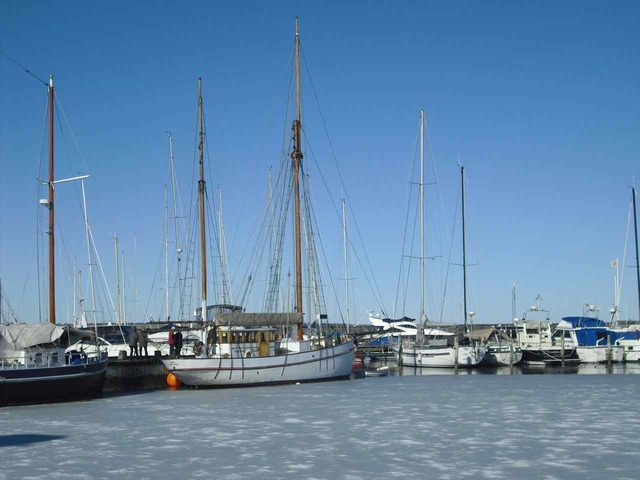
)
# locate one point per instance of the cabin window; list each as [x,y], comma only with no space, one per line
[54,358]
[533,331]
[224,337]
[37,358]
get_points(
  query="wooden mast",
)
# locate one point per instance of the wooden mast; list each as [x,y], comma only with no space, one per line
[201,186]
[52,272]
[296,156]
[464,253]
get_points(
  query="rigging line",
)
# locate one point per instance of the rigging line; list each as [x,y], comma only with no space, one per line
[264,134]
[213,249]
[624,256]
[407,278]
[25,69]
[446,281]
[153,286]
[58,100]
[314,221]
[266,232]
[375,291]
[39,226]
[437,183]
[12,313]
[26,280]
[406,222]
[474,285]
[104,278]
[66,147]
[275,260]
[342,183]
[255,238]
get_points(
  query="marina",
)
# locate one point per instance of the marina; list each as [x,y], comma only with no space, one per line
[319,241]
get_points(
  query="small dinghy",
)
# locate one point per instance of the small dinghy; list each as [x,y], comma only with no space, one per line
[377,372]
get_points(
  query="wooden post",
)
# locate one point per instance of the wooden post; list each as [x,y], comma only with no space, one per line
[510,356]
[456,349]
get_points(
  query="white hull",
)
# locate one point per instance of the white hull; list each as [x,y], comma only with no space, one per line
[306,366]
[599,354]
[631,349]
[444,357]
[502,356]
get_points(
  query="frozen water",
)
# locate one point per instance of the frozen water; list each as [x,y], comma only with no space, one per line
[423,426]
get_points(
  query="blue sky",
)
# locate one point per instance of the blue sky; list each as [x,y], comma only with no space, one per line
[540,101]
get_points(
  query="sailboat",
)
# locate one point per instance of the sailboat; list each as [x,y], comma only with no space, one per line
[630,340]
[34,367]
[245,349]
[432,348]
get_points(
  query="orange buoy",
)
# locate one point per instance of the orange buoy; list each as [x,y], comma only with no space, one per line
[173,381]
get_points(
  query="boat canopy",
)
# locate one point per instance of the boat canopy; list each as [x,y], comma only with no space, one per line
[19,336]
[577,322]
[489,333]
[381,342]
[396,320]
[257,319]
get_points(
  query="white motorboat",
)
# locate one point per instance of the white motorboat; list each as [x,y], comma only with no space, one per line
[438,353]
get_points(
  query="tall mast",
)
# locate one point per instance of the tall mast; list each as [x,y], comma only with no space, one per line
[464,253]
[174,189]
[117,255]
[513,301]
[635,227]
[75,300]
[124,291]
[89,257]
[83,317]
[223,251]
[52,271]
[346,266]
[201,186]
[166,254]
[296,156]
[422,314]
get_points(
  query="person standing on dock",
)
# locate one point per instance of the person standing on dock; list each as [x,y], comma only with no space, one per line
[172,341]
[143,340]
[178,339]
[133,342]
